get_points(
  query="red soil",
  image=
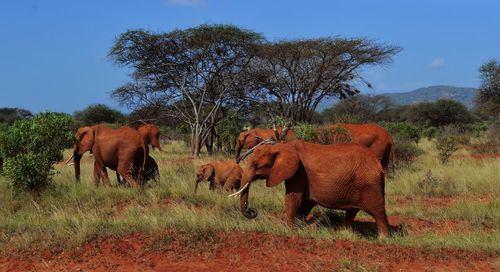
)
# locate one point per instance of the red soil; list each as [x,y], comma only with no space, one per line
[245,252]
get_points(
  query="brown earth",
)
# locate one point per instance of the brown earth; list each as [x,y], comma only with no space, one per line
[245,252]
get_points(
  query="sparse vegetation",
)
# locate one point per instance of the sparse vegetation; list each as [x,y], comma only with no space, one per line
[71,213]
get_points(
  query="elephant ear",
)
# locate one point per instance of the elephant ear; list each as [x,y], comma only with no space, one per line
[208,171]
[286,163]
[85,137]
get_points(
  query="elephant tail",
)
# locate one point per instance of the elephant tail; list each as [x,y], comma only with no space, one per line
[393,156]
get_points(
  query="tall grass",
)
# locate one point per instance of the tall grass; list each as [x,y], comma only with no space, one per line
[70,213]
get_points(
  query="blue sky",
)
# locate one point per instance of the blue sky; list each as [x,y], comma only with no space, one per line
[53,53]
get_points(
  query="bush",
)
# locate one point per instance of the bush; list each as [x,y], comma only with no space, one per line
[334,136]
[403,130]
[306,132]
[31,147]
[407,152]
[448,141]
[98,113]
[489,141]
[430,133]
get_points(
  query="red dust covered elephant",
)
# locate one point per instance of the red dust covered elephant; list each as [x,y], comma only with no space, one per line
[342,176]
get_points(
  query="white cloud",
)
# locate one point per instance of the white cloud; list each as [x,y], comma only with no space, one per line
[437,62]
[187,3]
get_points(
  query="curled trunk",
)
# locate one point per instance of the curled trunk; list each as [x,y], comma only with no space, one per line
[247,212]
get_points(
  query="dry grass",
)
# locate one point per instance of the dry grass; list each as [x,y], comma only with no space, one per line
[70,213]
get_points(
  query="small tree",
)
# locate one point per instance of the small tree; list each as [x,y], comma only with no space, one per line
[488,99]
[98,113]
[447,142]
[31,147]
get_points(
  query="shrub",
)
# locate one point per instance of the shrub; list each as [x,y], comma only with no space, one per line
[334,136]
[430,133]
[489,141]
[407,152]
[31,147]
[306,132]
[403,130]
[448,141]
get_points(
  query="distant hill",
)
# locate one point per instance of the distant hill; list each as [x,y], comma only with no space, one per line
[429,94]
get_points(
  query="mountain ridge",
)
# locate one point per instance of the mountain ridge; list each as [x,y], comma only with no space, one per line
[464,95]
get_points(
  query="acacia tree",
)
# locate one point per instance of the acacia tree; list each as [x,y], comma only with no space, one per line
[296,75]
[191,73]
[488,99]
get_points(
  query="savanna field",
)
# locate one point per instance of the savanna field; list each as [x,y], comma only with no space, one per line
[443,217]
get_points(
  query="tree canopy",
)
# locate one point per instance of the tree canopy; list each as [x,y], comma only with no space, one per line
[190,73]
[488,99]
[98,113]
[298,74]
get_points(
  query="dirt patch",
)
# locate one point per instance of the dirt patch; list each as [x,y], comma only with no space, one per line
[174,251]
[423,200]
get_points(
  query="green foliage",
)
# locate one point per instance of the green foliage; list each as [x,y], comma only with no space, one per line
[430,133]
[488,99]
[487,142]
[334,135]
[228,130]
[440,113]
[403,130]
[306,132]
[448,142]
[357,109]
[98,113]
[407,152]
[31,147]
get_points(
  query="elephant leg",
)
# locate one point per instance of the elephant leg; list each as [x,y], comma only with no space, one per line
[293,202]
[104,175]
[349,217]
[97,174]
[375,206]
[305,209]
[230,184]
[125,171]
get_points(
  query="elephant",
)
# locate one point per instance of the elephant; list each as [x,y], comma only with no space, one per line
[249,139]
[344,176]
[151,134]
[220,174]
[123,150]
[372,136]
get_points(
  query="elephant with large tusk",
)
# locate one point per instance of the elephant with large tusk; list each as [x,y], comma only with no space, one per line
[249,139]
[343,176]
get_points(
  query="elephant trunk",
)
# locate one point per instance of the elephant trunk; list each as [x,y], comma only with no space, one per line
[249,213]
[77,159]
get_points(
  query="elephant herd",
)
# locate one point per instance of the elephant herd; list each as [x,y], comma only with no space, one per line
[124,150]
[348,176]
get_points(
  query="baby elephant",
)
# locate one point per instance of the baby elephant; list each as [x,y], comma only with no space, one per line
[150,172]
[220,174]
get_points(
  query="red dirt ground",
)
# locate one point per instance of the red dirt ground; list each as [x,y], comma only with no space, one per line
[245,252]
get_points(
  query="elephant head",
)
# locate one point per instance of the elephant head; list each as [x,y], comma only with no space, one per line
[205,173]
[151,134]
[275,163]
[84,141]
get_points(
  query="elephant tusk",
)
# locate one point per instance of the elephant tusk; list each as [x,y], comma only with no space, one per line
[240,191]
[66,162]
[250,151]
[71,164]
